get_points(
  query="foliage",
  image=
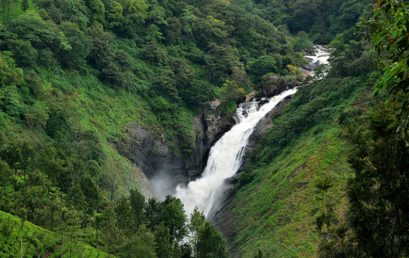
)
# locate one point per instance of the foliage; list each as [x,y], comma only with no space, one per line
[376,223]
[280,187]
[376,193]
[389,28]
[321,19]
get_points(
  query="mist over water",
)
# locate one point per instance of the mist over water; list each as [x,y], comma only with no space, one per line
[163,184]
[225,158]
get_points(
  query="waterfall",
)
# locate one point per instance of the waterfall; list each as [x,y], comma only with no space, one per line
[227,153]
[225,157]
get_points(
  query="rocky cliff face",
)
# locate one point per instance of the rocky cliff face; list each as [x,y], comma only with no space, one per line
[150,153]
[262,128]
[213,124]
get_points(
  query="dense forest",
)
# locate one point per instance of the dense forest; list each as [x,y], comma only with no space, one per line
[329,178]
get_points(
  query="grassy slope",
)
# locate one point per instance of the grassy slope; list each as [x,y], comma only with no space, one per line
[283,197]
[276,211]
[37,241]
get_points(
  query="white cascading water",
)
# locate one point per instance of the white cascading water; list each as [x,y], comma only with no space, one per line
[225,157]
[227,153]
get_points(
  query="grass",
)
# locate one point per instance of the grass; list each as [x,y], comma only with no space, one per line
[28,240]
[284,199]
[274,210]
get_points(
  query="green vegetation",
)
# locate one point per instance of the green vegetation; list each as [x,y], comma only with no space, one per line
[74,74]
[282,184]
[377,220]
[336,160]
[284,198]
[21,238]
[321,19]
[298,174]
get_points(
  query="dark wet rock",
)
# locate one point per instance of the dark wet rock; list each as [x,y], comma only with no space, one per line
[263,127]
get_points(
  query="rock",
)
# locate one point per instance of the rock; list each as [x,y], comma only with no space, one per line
[272,85]
[249,97]
[150,153]
[208,127]
[311,66]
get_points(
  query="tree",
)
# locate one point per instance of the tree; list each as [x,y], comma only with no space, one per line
[261,66]
[137,202]
[164,244]
[98,10]
[165,84]
[390,27]
[23,51]
[173,31]
[37,115]
[220,63]
[378,206]
[210,243]
[123,215]
[77,53]
[205,239]
[140,245]
[172,215]
[197,221]
[9,73]
[25,5]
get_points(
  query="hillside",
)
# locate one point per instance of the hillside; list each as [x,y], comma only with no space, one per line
[332,160]
[299,167]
